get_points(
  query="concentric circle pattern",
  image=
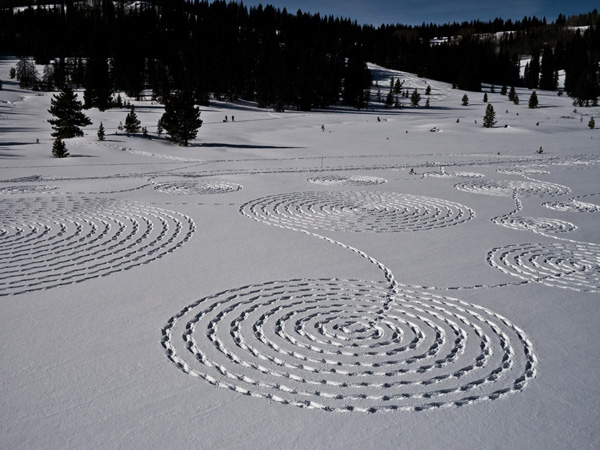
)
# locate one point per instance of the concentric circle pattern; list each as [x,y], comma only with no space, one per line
[525,172]
[445,174]
[540,225]
[342,180]
[27,189]
[572,205]
[573,266]
[356,211]
[349,346]
[506,188]
[203,187]
[52,241]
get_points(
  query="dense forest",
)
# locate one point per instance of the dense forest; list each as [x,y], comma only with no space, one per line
[279,59]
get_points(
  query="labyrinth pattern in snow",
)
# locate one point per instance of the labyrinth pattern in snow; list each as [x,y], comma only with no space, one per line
[573,266]
[572,205]
[524,172]
[27,189]
[356,211]
[349,346]
[444,174]
[196,187]
[539,225]
[506,188]
[53,241]
[350,180]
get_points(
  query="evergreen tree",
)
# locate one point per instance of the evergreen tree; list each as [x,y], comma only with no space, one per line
[485,98]
[533,100]
[48,78]
[132,123]
[68,115]
[428,90]
[512,93]
[59,149]
[398,86]
[415,98]
[389,100]
[516,99]
[98,89]
[181,119]
[592,123]
[547,71]
[427,103]
[0,84]
[26,73]
[101,132]
[489,120]
[503,90]
[533,74]
[465,100]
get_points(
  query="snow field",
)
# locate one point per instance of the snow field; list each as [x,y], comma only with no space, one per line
[427,286]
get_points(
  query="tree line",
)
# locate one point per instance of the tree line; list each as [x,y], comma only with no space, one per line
[278,59]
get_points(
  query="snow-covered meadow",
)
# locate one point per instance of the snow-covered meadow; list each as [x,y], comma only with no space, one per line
[333,279]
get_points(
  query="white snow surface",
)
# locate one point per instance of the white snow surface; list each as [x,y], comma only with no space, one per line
[302,280]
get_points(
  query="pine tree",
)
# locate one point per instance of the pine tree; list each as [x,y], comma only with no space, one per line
[69,118]
[592,123]
[465,100]
[427,103]
[516,99]
[398,86]
[101,132]
[181,119]
[26,73]
[59,149]
[485,98]
[47,78]
[489,120]
[503,90]
[428,90]
[512,93]
[389,100]
[132,123]
[533,100]
[415,98]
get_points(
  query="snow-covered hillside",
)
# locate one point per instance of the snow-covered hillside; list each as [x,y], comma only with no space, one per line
[335,279]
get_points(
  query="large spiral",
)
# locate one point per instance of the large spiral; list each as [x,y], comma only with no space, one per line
[349,346]
[378,212]
[52,241]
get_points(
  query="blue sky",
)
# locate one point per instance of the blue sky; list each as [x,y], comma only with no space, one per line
[415,12]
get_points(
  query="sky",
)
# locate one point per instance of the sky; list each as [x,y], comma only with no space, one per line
[415,12]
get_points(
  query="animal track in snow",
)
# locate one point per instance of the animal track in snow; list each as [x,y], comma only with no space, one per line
[349,346]
[53,241]
[347,180]
[570,265]
[357,211]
